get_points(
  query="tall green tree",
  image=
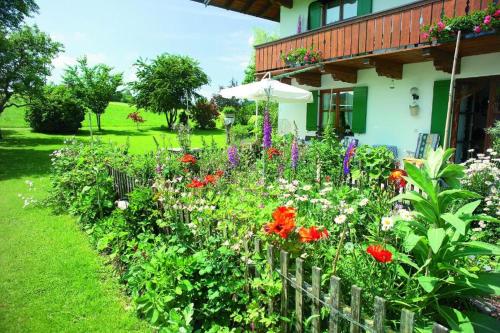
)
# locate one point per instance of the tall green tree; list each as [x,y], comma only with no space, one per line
[25,62]
[95,85]
[13,12]
[260,36]
[167,84]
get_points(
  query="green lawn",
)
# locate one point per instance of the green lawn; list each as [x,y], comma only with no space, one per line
[116,128]
[51,279]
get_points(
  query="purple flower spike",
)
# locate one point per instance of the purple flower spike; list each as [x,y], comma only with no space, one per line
[295,154]
[349,154]
[268,129]
[233,156]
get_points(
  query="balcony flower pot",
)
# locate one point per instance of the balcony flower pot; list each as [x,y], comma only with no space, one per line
[481,34]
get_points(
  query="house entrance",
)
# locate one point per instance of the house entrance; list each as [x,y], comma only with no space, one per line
[476,108]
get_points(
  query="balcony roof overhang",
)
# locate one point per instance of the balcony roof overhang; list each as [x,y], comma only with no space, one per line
[266,9]
[389,62]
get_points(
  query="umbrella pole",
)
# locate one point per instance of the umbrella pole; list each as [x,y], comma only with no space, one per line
[256,117]
[446,140]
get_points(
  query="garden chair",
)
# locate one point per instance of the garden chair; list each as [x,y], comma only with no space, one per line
[425,143]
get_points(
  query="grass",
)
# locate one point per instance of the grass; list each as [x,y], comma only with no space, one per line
[116,128]
[51,279]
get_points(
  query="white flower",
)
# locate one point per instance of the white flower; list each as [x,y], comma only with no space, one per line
[289,203]
[482,224]
[295,182]
[387,223]
[349,211]
[340,219]
[122,204]
[363,202]
[405,215]
[307,187]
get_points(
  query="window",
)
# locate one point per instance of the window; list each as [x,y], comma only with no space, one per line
[337,109]
[326,12]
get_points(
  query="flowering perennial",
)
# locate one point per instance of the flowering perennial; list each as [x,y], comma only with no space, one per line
[397,178]
[233,156]
[349,154]
[283,222]
[188,158]
[267,131]
[295,154]
[312,234]
[379,253]
[271,152]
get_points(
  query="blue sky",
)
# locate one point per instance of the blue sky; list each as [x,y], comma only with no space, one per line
[119,32]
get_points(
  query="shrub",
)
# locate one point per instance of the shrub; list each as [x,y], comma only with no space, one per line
[494,132]
[204,113]
[239,132]
[56,110]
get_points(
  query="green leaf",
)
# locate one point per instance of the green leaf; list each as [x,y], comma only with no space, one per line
[421,179]
[468,209]
[483,323]
[178,290]
[485,284]
[436,237]
[474,248]
[456,222]
[154,317]
[447,196]
[410,241]
[428,283]
[455,319]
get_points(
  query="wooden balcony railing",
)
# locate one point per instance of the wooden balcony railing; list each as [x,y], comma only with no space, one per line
[397,28]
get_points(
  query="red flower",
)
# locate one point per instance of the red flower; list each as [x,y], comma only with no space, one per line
[188,158]
[397,177]
[379,253]
[311,234]
[328,179]
[497,13]
[195,183]
[210,179]
[283,222]
[271,152]
[219,173]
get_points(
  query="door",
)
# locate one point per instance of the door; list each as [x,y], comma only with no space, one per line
[336,109]
[476,107]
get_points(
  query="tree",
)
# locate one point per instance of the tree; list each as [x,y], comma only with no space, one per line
[13,12]
[56,110]
[93,85]
[25,62]
[167,83]
[260,36]
[204,113]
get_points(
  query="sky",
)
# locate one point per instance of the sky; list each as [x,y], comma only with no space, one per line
[118,32]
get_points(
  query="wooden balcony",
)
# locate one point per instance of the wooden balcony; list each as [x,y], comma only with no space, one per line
[384,40]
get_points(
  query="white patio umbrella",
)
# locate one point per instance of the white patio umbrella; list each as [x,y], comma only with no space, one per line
[268,89]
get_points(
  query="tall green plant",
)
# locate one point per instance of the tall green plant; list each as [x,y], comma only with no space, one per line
[438,243]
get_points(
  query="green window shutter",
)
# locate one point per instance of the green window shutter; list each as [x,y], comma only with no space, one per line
[312,113]
[364,7]
[359,108]
[315,15]
[439,108]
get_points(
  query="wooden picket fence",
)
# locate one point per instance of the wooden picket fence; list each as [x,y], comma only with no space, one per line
[297,291]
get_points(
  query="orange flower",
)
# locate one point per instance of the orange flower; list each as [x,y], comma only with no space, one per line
[188,158]
[271,152]
[210,179]
[195,183]
[283,222]
[379,253]
[311,234]
[219,173]
[396,177]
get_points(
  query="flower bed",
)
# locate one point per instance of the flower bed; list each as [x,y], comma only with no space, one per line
[417,249]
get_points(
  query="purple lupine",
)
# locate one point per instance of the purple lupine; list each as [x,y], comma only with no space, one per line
[267,131]
[349,154]
[295,154]
[233,156]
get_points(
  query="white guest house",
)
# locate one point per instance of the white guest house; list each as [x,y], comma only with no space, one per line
[378,77]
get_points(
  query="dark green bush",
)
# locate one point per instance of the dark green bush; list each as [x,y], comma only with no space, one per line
[55,111]
[204,113]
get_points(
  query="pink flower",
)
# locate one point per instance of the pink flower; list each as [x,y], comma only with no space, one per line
[487,20]
[441,26]
[497,13]
[425,35]
[306,58]
[477,29]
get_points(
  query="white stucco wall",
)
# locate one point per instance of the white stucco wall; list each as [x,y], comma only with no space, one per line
[290,17]
[388,117]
